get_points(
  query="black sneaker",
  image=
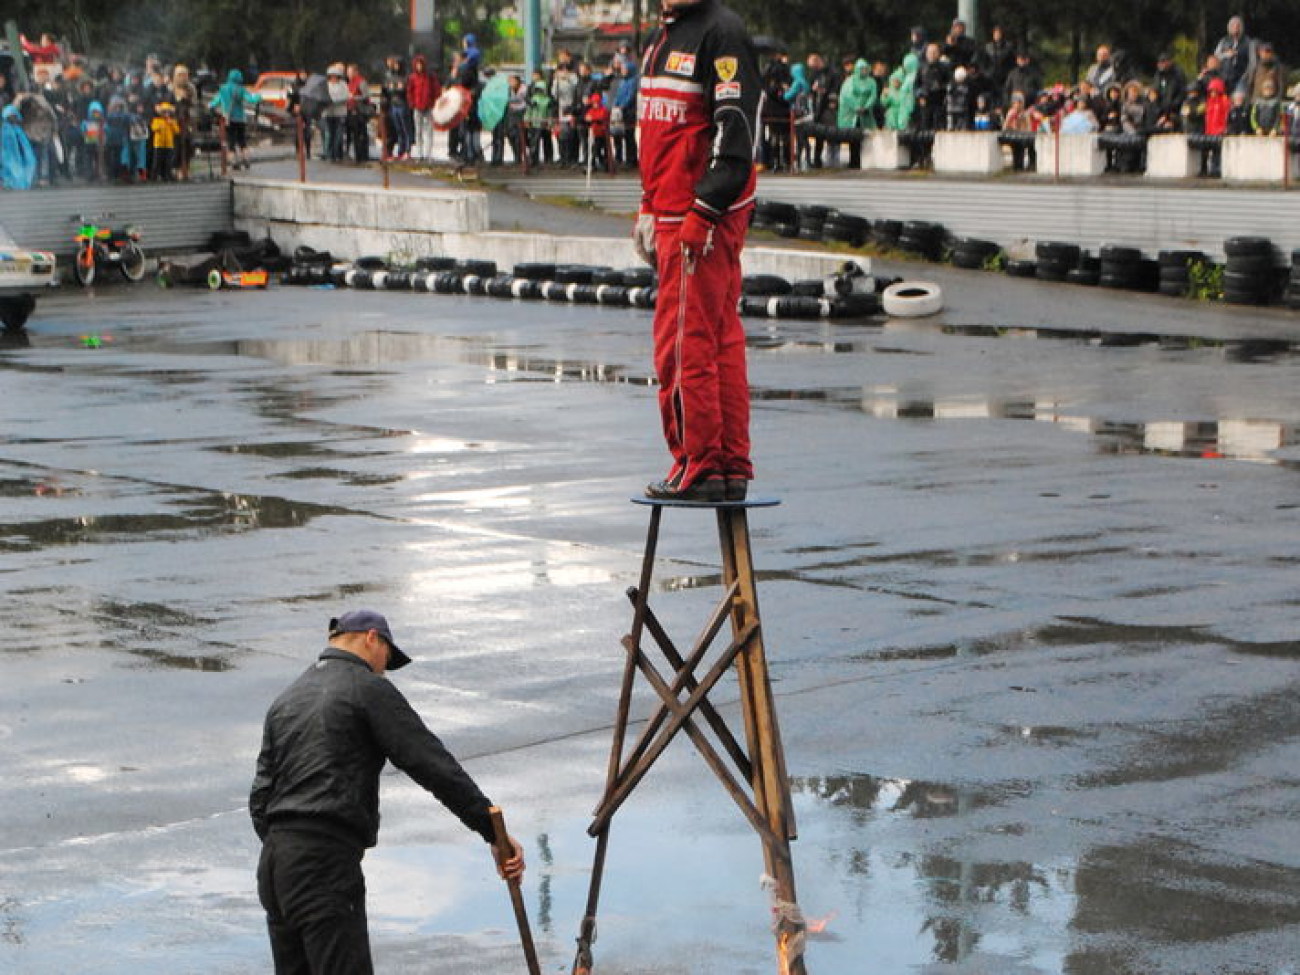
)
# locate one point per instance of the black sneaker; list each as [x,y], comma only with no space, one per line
[736,488]
[710,490]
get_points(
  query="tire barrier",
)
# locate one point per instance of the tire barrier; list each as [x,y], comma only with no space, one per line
[912,299]
[972,253]
[1176,271]
[923,238]
[848,293]
[845,228]
[812,221]
[1256,276]
[1291,294]
[1055,260]
[435,263]
[808,307]
[764,285]
[1250,275]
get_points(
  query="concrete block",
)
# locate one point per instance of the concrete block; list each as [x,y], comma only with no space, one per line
[1168,157]
[975,153]
[881,150]
[1069,155]
[325,204]
[1257,159]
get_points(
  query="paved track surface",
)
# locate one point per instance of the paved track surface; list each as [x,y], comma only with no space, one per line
[1029,601]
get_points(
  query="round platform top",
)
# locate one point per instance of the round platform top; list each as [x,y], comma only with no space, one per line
[670,503]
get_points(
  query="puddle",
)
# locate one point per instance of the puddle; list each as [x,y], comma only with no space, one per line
[1256,439]
[202,513]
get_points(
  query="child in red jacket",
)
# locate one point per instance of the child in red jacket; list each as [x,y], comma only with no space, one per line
[1217,107]
[597,119]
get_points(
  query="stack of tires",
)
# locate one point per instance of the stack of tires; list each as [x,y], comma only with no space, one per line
[436,263]
[922,238]
[1292,294]
[812,221]
[1176,271]
[845,228]
[1086,272]
[885,233]
[764,285]
[1126,268]
[973,253]
[780,218]
[1249,275]
[1055,260]
[1022,267]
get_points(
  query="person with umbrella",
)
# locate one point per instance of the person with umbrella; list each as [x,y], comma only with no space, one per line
[491,109]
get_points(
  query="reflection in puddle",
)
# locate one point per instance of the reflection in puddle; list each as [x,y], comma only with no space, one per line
[1085,632]
[1230,438]
[919,902]
[223,511]
[149,631]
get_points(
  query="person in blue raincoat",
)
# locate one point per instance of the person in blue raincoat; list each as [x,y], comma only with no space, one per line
[232,101]
[17,158]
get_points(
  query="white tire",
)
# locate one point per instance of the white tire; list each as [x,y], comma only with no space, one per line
[912,299]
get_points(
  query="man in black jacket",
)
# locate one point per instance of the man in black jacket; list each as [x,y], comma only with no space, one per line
[1170,85]
[315,798]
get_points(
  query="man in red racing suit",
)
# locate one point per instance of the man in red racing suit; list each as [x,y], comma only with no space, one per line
[699,98]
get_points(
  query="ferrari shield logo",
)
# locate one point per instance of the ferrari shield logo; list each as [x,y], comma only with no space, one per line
[726,68]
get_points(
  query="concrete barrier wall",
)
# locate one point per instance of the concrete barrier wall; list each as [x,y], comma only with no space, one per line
[1168,157]
[335,205]
[1257,159]
[352,222]
[974,153]
[882,150]
[1069,155]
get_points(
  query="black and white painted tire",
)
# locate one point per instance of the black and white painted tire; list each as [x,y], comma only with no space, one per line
[912,299]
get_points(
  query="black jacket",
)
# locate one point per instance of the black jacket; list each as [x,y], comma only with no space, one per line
[324,743]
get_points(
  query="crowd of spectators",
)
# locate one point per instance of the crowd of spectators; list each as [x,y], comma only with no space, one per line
[141,123]
[575,114]
[70,122]
[814,107]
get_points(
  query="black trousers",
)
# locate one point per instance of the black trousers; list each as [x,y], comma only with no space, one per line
[314,894]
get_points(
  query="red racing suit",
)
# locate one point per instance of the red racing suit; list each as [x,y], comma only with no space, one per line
[698,105]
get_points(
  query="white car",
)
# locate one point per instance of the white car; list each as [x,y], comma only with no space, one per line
[23,275]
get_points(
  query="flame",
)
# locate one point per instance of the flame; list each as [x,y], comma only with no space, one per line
[782,955]
[820,925]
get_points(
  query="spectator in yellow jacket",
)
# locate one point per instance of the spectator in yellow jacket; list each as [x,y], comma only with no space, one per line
[164,131]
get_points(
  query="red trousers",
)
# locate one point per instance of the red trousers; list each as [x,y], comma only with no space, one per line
[699,354]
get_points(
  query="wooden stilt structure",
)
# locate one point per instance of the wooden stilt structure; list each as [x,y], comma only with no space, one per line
[753,773]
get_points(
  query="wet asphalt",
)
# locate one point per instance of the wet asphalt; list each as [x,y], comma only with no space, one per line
[1029,602]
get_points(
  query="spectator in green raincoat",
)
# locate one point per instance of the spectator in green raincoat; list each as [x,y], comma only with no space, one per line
[232,101]
[858,96]
[900,97]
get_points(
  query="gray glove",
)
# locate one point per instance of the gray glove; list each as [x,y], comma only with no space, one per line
[643,237]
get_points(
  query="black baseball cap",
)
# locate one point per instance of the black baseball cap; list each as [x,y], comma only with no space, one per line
[365,620]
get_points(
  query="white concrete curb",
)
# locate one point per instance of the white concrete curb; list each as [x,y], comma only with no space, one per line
[402,225]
